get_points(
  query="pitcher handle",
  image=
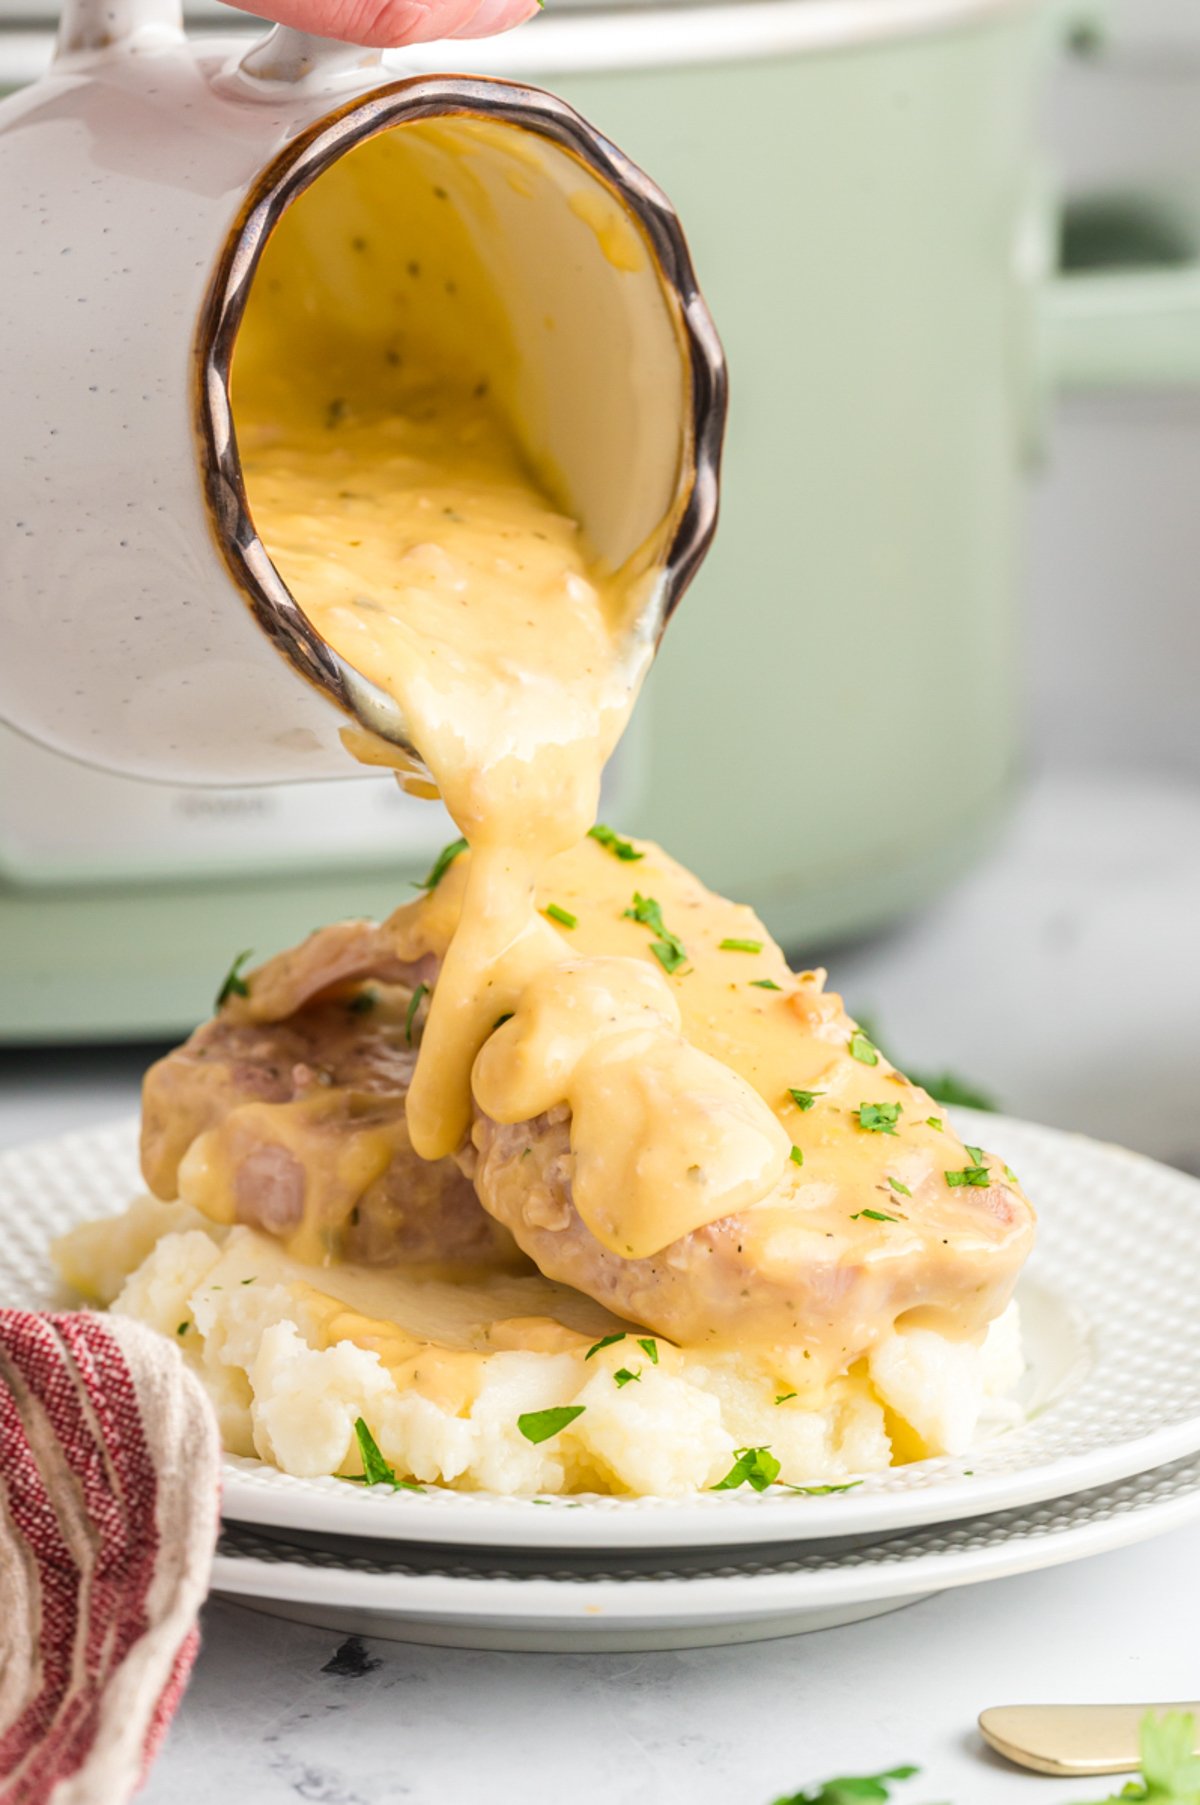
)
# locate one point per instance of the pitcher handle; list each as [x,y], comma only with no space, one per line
[91,25]
[298,59]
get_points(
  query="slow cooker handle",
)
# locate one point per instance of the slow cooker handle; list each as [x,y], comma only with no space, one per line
[1123,328]
[1127,323]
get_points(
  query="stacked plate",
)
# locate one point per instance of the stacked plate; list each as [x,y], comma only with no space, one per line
[1107,1453]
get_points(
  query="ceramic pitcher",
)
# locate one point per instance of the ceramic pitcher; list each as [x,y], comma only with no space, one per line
[146,629]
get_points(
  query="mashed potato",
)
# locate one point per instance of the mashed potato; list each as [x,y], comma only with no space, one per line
[444,1372]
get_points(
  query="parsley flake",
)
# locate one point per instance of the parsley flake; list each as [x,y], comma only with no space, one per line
[797,1156]
[363,1003]
[863,1789]
[182,1329]
[376,1470]
[756,1467]
[563,917]
[608,1341]
[1170,1768]
[897,1186]
[233,984]
[875,1216]
[823,1491]
[785,1397]
[978,1156]
[862,1050]
[935,1122]
[977,1176]
[765,984]
[612,842]
[414,1005]
[879,1118]
[623,1377]
[731,945]
[441,865]
[539,1425]
[954,1091]
[1011,1176]
[804,1099]
[649,1347]
[668,949]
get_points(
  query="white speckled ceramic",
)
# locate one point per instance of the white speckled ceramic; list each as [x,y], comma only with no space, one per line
[145,628]
[681,1601]
[1113,1339]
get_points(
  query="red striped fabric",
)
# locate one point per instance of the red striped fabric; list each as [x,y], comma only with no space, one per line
[108,1517]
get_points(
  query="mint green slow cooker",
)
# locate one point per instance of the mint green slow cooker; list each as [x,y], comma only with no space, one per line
[834,726]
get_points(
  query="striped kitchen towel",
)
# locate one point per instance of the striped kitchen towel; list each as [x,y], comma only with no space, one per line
[109,1499]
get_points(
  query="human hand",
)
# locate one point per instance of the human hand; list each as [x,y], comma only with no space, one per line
[385,23]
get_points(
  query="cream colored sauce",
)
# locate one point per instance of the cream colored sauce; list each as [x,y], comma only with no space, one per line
[391,492]
[444,1318]
[796,1037]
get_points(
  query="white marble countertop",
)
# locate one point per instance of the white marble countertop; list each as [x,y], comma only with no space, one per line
[1064,977]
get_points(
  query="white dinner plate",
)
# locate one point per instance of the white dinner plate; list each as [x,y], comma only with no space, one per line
[683,1599]
[1113,1388]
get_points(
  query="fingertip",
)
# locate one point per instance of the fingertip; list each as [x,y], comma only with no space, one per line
[495,16]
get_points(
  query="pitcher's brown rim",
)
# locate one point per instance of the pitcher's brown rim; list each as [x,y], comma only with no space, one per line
[300,163]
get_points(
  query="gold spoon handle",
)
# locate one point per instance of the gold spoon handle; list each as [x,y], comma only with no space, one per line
[1072,1739]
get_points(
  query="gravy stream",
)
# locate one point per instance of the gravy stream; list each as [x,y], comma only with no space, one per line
[393,495]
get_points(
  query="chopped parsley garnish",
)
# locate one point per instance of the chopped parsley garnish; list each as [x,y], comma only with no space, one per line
[1011,1176]
[875,1216]
[804,1099]
[413,1006]
[824,1491]
[623,1377]
[978,1156]
[441,865]
[376,1470]
[954,1092]
[562,916]
[249,1281]
[612,842]
[797,1156]
[765,984]
[182,1329]
[739,946]
[861,1789]
[935,1122]
[756,1467]
[785,1397]
[897,1186]
[879,1118]
[978,1176]
[668,949]
[539,1425]
[233,984]
[363,1003]
[862,1050]
[501,1019]
[1170,1767]
[609,1341]
[649,1347]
